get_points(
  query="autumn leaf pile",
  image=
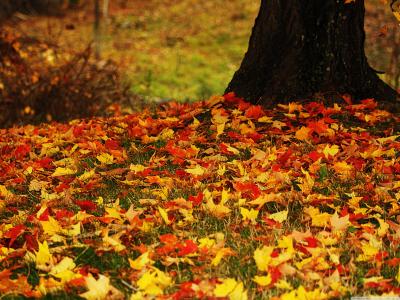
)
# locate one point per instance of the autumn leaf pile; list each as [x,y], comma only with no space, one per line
[216,199]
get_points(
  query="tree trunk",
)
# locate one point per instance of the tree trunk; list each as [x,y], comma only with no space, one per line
[299,48]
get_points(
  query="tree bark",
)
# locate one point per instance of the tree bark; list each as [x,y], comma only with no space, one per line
[299,48]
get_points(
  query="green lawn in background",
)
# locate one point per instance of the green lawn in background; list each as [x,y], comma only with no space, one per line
[182,50]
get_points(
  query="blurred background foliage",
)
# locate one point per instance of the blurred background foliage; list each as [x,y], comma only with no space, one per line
[150,51]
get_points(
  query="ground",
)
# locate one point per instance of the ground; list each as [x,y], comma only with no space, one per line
[211,199]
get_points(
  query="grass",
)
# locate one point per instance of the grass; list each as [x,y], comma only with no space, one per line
[184,50]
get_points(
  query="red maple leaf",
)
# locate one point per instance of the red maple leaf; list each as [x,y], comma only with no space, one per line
[187,248]
[14,233]
[196,200]
[254,112]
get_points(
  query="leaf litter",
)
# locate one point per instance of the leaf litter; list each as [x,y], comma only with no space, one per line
[214,199]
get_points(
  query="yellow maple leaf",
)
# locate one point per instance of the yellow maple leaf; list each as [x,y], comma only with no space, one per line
[4,192]
[220,129]
[63,270]
[153,282]
[63,172]
[206,243]
[265,198]
[307,183]
[263,257]
[113,212]
[339,223]
[383,227]
[318,219]
[166,134]
[73,230]
[225,288]
[233,150]
[221,254]
[51,227]
[197,170]
[35,185]
[87,175]
[43,257]
[294,106]
[279,216]
[286,242]
[218,210]
[303,294]
[250,215]
[330,151]
[369,250]
[397,15]
[137,168]
[164,215]
[140,262]
[265,119]
[263,280]
[303,133]
[398,276]
[105,158]
[284,285]
[97,289]
[238,293]
[113,241]
[343,168]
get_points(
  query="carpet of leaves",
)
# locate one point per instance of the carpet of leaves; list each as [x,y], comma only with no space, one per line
[216,199]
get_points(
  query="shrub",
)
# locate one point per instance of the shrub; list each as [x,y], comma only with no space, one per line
[38,83]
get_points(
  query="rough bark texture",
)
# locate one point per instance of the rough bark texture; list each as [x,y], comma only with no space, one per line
[302,47]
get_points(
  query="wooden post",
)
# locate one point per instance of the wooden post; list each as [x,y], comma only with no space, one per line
[106,4]
[96,29]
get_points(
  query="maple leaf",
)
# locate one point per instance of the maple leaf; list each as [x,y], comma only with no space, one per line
[343,168]
[14,233]
[197,170]
[263,280]
[63,172]
[218,210]
[164,215]
[263,257]
[153,282]
[261,200]
[339,223]
[87,175]
[250,215]
[279,216]
[140,262]
[221,253]
[307,183]
[318,219]
[43,257]
[330,151]
[64,270]
[4,192]
[105,158]
[398,273]
[113,241]
[230,288]
[302,293]
[97,289]
[254,112]
[303,133]
[51,227]
[206,243]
